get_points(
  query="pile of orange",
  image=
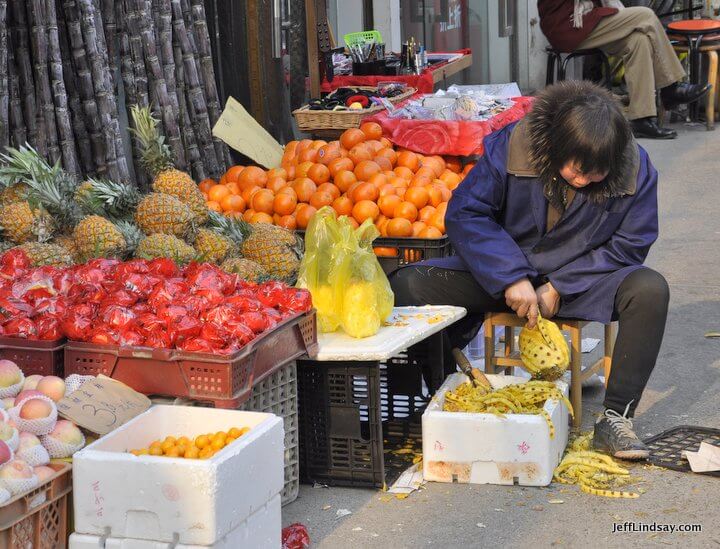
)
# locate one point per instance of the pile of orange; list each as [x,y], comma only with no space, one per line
[201,447]
[361,176]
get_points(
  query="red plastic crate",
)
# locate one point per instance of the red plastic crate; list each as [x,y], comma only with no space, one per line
[224,381]
[44,358]
[39,518]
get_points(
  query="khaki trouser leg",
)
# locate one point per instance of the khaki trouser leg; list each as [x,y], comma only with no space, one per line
[637,35]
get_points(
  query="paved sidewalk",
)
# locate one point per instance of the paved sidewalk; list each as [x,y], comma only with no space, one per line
[684,389]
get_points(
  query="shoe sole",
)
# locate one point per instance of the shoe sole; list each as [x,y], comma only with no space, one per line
[629,455]
[646,136]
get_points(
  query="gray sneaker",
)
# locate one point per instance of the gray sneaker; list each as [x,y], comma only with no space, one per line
[614,435]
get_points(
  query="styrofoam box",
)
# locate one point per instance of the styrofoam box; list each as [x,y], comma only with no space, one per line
[187,501]
[488,449]
[261,530]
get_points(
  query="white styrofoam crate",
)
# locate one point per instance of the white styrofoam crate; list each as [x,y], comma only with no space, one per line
[487,449]
[261,530]
[119,495]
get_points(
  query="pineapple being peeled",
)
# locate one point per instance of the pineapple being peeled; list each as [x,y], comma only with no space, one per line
[165,245]
[95,236]
[46,254]
[157,159]
[212,246]
[245,269]
[160,213]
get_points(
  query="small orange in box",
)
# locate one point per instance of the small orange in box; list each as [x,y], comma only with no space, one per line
[303,216]
[275,184]
[372,130]
[388,203]
[352,137]
[284,204]
[320,199]
[206,184]
[319,173]
[233,174]
[365,209]
[344,179]
[406,210]
[218,192]
[399,227]
[331,189]
[342,205]
[288,222]
[262,201]
[261,217]
[385,252]
[304,188]
[339,165]
[359,153]
[365,191]
[418,196]
[252,175]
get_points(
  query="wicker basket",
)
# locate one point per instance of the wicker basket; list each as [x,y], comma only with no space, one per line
[311,121]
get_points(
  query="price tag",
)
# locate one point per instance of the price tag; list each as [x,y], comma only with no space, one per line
[102,405]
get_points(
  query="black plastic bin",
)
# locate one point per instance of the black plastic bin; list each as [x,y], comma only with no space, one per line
[405,251]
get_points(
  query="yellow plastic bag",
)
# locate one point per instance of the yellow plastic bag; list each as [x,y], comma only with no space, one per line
[348,286]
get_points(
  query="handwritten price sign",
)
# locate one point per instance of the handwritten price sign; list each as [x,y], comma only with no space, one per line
[102,405]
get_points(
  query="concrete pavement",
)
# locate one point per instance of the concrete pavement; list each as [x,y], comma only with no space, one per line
[683,389]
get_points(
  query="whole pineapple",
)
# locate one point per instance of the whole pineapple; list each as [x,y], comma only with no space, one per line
[213,247]
[165,245]
[158,161]
[159,213]
[67,242]
[46,254]
[274,248]
[95,236]
[19,223]
[246,269]
[17,192]
[107,198]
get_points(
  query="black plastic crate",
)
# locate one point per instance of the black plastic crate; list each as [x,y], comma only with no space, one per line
[354,416]
[667,447]
[410,250]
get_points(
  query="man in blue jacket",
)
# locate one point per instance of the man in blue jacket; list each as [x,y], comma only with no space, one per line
[558,217]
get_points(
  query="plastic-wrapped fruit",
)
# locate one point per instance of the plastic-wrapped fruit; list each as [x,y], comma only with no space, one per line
[360,315]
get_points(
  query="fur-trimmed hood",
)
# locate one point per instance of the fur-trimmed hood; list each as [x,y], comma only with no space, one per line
[528,157]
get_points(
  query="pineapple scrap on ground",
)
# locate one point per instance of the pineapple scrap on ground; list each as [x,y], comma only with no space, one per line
[164,245]
[245,269]
[46,254]
[159,213]
[157,159]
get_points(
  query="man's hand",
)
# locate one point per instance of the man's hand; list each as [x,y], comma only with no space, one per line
[522,299]
[548,300]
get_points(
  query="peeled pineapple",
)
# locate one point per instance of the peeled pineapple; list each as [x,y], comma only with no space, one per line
[160,213]
[95,236]
[544,351]
[165,245]
[360,314]
[246,269]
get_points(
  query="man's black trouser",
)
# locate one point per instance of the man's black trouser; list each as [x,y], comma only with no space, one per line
[641,305]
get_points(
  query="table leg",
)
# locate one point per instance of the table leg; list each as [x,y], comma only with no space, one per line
[575,378]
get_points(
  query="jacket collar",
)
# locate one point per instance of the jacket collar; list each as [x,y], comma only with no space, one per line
[520,162]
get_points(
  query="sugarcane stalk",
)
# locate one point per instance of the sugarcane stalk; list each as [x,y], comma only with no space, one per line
[4,83]
[192,152]
[18,130]
[197,107]
[136,52]
[164,31]
[82,137]
[23,63]
[65,133]
[109,24]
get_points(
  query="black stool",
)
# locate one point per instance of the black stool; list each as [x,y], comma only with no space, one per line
[555,58]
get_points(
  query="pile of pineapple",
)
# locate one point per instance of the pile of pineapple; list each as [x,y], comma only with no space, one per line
[58,221]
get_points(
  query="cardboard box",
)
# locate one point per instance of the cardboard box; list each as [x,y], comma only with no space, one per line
[487,449]
[119,495]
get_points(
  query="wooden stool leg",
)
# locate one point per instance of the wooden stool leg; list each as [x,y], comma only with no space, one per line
[575,377]
[489,346]
[509,346]
[712,80]
[609,347]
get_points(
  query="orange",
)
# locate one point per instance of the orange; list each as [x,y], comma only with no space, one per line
[276,183]
[217,444]
[284,204]
[327,154]
[248,193]
[173,452]
[365,191]
[442,208]
[409,160]
[435,195]
[304,215]
[399,182]
[359,153]
[432,163]
[235,432]
[320,199]
[329,188]
[400,191]
[343,205]
[386,142]
[353,223]
[206,184]
[277,172]
[365,209]
[234,188]
[290,172]
[399,227]
[304,188]
[385,252]
[451,180]
[372,130]
[420,181]
[343,180]
[318,143]
[192,452]
[288,222]
[155,451]
[386,189]
[218,192]
[261,217]
[438,221]
[214,206]
[223,180]
[288,190]
[248,215]
[201,441]
[303,145]
[426,213]
[374,146]
[388,203]
[319,173]
[426,172]
[233,173]
[382,224]
[406,210]
[340,164]
[303,168]
[384,163]
[417,228]
[308,155]
[352,137]
[453,164]
[276,218]
[365,169]
[262,201]
[389,154]
[418,196]
[233,203]
[252,175]
[430,232]
[404,172]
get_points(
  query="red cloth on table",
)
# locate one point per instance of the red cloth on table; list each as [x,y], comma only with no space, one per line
[423,81]
[445,137]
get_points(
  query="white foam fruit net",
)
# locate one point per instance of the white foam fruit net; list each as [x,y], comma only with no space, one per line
[59,449]
[37,455]
[13,390]
[20,485]
[74,381]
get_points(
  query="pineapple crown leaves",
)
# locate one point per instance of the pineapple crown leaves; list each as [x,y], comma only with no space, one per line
[107,198]
[25,164]
[131,234]
[156,154]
